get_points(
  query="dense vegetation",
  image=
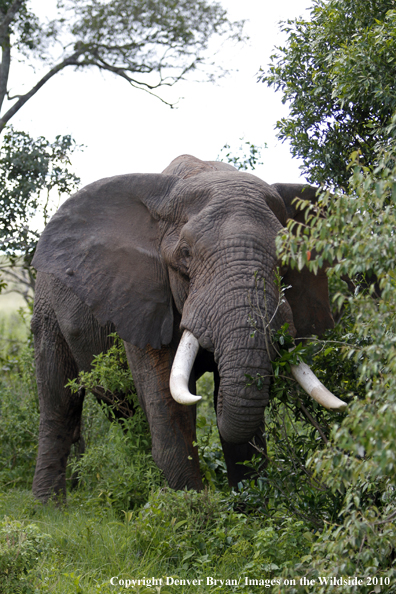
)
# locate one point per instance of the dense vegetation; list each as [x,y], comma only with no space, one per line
[121,520]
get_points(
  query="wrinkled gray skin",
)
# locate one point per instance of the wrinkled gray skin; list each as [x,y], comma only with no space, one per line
[151,255]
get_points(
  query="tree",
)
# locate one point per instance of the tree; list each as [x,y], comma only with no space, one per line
[337,74]
[149,43]
[30,170]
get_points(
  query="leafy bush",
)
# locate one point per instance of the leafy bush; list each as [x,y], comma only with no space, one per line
[110,381]
[193,531]
[20,547]
[358,466]
[187,528]
[117,469]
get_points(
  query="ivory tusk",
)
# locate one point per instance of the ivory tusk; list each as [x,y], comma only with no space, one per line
[181,369]
[304,375]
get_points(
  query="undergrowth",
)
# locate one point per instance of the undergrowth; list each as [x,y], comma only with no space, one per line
[122,522]
[121,519]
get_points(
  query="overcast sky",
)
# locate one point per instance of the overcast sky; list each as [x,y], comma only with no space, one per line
[125,130]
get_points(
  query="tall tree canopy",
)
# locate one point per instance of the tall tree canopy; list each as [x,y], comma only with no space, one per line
[149,43]
[337,73]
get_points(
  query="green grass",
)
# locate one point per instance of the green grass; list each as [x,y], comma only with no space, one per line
[181,534]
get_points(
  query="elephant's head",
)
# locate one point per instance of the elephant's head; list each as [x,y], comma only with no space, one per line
[193,242]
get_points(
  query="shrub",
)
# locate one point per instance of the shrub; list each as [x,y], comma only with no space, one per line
[21,545]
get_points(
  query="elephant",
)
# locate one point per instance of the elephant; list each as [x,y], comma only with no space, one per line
[168,261]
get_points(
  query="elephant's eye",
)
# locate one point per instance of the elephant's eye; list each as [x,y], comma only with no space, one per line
[183,260]
[185,253]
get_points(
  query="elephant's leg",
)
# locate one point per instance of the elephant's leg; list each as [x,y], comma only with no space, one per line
[172,425]
[60,411]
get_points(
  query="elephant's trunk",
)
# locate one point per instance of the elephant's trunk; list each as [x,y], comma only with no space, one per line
[245,374]
[243,360]
[239,398]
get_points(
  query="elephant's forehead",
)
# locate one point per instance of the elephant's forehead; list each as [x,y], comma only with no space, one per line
[233,214]
[222,190]
[236,225]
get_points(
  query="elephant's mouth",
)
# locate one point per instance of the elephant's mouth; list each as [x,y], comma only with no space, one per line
[184,361]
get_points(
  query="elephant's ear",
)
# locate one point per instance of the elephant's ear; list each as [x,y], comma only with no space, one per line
[308,293]
[103,243]
[288,192]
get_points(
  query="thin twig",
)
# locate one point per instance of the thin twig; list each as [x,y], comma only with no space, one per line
[313,422]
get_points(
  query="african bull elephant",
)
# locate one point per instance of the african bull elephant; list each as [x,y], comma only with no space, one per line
[168,260]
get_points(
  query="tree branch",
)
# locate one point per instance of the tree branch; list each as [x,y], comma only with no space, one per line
[4,66]
[70,61]
[313,422]
[102,65]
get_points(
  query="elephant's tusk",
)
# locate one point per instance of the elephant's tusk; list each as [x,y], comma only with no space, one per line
[310,383]
[181,369]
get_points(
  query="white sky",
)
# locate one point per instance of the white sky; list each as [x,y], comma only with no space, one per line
[125,130]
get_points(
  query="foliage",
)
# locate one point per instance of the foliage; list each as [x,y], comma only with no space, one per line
[109,370]
[337,74]
[110,381]
[190,530]
[296,428]
[246,157]
[149,43]
[20,546]
[187,528]
[30,170]
[356,237]
[117,468]
[30,37]
[337,71]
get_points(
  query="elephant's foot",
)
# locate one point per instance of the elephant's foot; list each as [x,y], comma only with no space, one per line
[50,481]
